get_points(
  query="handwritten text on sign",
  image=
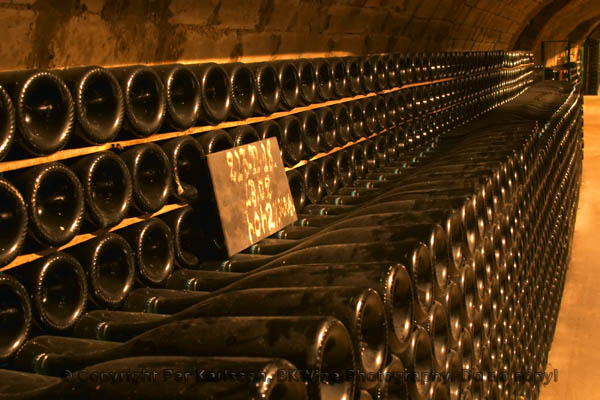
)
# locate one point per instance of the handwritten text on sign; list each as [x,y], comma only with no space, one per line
[252,193]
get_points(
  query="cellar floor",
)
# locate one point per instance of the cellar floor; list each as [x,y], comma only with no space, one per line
[575,352]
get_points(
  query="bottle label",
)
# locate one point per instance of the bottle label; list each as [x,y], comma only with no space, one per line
[252,193]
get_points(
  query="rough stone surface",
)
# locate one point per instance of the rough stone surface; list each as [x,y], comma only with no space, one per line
[54,34]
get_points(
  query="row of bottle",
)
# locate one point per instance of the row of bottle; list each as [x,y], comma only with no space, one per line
[473,324]
[97,103]
[150,174]
[165,241]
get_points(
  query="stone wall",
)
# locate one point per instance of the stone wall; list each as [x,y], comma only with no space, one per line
[57,33]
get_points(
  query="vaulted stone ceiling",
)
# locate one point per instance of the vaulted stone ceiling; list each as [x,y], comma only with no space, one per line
[51,33]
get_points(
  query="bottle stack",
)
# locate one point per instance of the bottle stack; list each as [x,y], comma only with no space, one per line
[424,186]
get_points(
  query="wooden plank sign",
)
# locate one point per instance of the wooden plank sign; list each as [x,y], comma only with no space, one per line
[252,193]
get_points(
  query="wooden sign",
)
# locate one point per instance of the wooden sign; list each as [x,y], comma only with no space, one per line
[252,193]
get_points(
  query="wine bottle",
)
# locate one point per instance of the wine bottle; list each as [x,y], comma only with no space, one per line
[157,378]
[145,99]
[110,268]
[417,359]
[367,74]
[394,382]
[310,132]
[215,92]
[437,325]
[151,176]
[44,110]
[13,222]
[345,167]
[98,101]
[391,69]
[268,88]
[187,233]
[353,73]
[55,203]
[391,110]
[360,309]
[7,130]
[186,158]
[214,141]
[355,111]
[312,343]
[182,95]
[330,174]
[308,81]
[339,77]
[327,128]
[153,250]
[107,188]
[289,79]
[297,189]
[15,315]
[324,76]
[291,143]
[359,162]
[243,90]
[243,134]
[369,116]
[343,123]
[58,290]
[380,73]
[311,174]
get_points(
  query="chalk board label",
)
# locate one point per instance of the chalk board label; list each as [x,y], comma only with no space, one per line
[252,193]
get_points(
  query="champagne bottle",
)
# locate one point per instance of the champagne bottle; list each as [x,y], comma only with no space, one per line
[355,111]
[359,161]
[214,141]
[151,176]
[369,116]
[13,222]
[110,268]
[15,316]
[289,78]
[330,175]
[393,384]
[7,130]
[297,189]
[310,132]
[291,144]
[308,81]
[417,359]
[391,68]
[380,73]
[327,128]
[324,76]
[242,90]
[360,309]
[159,377]
[58,290]
[182,91]
[55,203]
[311,173]
[44,110]
[187,233]
[215,92]
[243,134]
[153,250]
[315,343]
[186,158]
[367,74]
[339,77]
[436,325]
[107,188]
[268,88]
[343,124]
[98,101]
[145,99]
[353,66]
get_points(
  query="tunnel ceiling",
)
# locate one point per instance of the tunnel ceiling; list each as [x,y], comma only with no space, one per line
[49,33]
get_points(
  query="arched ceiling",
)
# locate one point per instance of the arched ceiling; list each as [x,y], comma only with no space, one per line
[51,33]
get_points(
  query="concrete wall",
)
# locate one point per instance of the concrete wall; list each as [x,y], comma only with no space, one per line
[56,33]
